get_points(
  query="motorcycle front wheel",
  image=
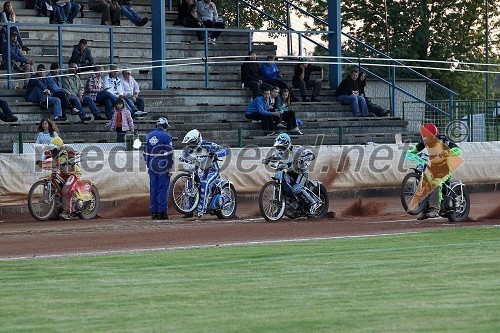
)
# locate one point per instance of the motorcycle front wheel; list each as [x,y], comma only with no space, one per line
[91,208]
[271,204]
[184,193]
[228,209]
[462,205]
[409,187]
[323,196]
[42,200]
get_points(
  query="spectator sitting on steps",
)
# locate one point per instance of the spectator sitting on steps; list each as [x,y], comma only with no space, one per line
[348,93]
[250,74]
[207,12]
[47,130]
[68,100]
[73,84]
[130,13]
[8,15]
[19,62]
[6,114]
[82,55]
[131,91]
[188,16]
[258,110]
[302,80]
[377,110]
[110,11]
[94,88]
[38,92]
[270,74]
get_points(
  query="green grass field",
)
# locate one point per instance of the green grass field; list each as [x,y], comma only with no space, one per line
[434,281]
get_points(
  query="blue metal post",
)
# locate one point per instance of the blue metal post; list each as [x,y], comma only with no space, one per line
[334,43]
[159,51]
[206,58]
[59,40]
[249,41]
[288,27]
[393,95]
[111,43]
[9,60]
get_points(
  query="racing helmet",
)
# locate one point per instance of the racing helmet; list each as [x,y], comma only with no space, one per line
[429,129]
[282,141]
[54,145]
[192,138]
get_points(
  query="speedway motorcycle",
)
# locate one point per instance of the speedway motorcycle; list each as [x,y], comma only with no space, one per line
[455,203]
[276,197]
[185,190]
[45,196]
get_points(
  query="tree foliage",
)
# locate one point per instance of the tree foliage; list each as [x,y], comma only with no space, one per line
[425,30]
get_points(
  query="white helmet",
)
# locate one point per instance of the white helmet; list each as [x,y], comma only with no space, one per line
[192,138]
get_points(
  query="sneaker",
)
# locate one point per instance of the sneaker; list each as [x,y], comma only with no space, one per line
[140,113]
[99,117]
[74,111]
[280,126]
[64,216]
[296,130]
[86,118]
[139,118]
[143,21]
[60,119]
[11,119]
[256,121]
[211,40]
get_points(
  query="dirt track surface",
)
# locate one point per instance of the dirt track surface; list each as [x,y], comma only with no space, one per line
[119,230]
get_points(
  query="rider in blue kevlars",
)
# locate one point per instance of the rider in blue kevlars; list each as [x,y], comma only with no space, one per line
[439,148]
[298,158]
[202,152]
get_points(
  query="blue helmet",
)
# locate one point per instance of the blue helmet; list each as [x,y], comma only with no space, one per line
[282,141]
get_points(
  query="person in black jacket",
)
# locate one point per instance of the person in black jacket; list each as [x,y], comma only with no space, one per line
[372,107]
[250,76]
[82,55]
[348,93]
[187,16]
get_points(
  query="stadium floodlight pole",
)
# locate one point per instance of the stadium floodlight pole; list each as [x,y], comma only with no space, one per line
[334,42]
[159,52]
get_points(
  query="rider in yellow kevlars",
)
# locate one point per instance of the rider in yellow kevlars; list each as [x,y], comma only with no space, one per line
[439,148]
[66,160]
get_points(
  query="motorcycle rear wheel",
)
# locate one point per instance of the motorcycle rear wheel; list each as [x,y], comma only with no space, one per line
[461,212]
[41,203]
[408,189]
[185,196]
[271,208]
[229,209]
[92,207]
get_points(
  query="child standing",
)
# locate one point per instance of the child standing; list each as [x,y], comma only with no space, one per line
[121,120]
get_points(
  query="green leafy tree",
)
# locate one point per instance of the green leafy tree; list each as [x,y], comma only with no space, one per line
[441,30]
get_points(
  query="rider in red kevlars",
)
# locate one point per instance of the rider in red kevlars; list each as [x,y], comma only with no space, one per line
[64,159]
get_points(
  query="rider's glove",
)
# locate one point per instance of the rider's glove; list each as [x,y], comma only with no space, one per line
[412,150]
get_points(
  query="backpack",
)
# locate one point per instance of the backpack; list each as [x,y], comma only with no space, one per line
[29,4]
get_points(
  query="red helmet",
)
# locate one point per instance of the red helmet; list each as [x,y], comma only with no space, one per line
[429,129]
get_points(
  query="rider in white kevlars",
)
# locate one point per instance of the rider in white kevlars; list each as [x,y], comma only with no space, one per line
[297,159]
[202,153]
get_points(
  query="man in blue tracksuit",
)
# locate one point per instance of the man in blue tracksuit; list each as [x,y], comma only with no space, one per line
[158,154]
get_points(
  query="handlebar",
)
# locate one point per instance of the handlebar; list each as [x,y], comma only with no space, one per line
[419,158]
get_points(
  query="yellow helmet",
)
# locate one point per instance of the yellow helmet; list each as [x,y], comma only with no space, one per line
[55,144]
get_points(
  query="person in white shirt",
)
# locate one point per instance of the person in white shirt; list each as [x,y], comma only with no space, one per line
[131,90]
[207,12]
[114,85]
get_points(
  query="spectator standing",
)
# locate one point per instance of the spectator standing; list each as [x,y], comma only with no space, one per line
[8,15]
[110,10]
[250,74]
[68,100]
[82,55]
[6,114]
[38,92]
[302,80]
[270,74]
[73,84]
[187,15]
[121,122]
[372,107]
[131,92]
[94,88]
[207,12]
[258,110]
[47,130]
[130,13]
[348,93]
[115,86]
[158,154]
[19,62]
[284,106]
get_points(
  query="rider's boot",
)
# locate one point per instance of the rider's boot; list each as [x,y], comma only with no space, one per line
[432,213]
[64,216]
